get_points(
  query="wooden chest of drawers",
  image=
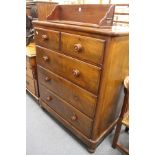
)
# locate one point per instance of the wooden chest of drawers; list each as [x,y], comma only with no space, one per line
[31,71]
[80,71]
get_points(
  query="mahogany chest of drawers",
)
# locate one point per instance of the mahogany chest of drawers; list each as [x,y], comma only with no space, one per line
[80,71]
[31,71]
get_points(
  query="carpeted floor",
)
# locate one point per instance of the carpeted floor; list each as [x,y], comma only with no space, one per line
[45,136]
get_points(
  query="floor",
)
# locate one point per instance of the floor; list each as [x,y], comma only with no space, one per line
[45,136]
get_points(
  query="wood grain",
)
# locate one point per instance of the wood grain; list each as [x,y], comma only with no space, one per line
[93,76]
[47,38]
[92,14]
[91,49]
[44,9]
[65,66]
[78,97]
[115,70]
[75,117]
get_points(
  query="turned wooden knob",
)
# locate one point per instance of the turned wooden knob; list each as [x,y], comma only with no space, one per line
[47,78]
[45,58]
[74,118]
[76,72]
[48,98]
[44,37]
[77,47]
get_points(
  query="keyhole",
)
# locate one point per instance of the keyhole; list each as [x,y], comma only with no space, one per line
[79,9]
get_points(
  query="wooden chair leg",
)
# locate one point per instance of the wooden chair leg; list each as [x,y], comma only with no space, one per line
[117,132]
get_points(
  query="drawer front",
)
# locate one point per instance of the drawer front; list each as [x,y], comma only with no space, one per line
[85,48]
[69,113]
[81,73]
[47,38]
[29,71]
[30,84]
[73,94]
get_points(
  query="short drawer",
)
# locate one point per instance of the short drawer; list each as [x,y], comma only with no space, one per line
[79,72]
[47,38]
[65,110]
[30,84]
[73,94]
[82,47]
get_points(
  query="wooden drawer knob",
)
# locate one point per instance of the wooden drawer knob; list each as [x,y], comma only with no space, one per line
[74,118]
[45,58]
[47,78]
[77,47]
[44,37]
[76,72]
[48,98]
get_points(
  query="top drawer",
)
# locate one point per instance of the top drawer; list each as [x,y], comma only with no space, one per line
[47,38]
[85,48]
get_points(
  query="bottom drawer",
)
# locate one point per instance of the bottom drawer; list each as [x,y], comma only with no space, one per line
[30,84]
[65,110]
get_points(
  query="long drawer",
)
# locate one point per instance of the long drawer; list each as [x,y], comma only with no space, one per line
[73,94]
[47,38]
[82,47]
[69,113]
[79,72]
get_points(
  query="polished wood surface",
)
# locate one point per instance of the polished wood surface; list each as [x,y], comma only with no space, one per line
[76,96]
[44,9]
[68,112]
[83,47]
[115,70]
[114,31]
[88,13]
[47,38]
[84,74]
